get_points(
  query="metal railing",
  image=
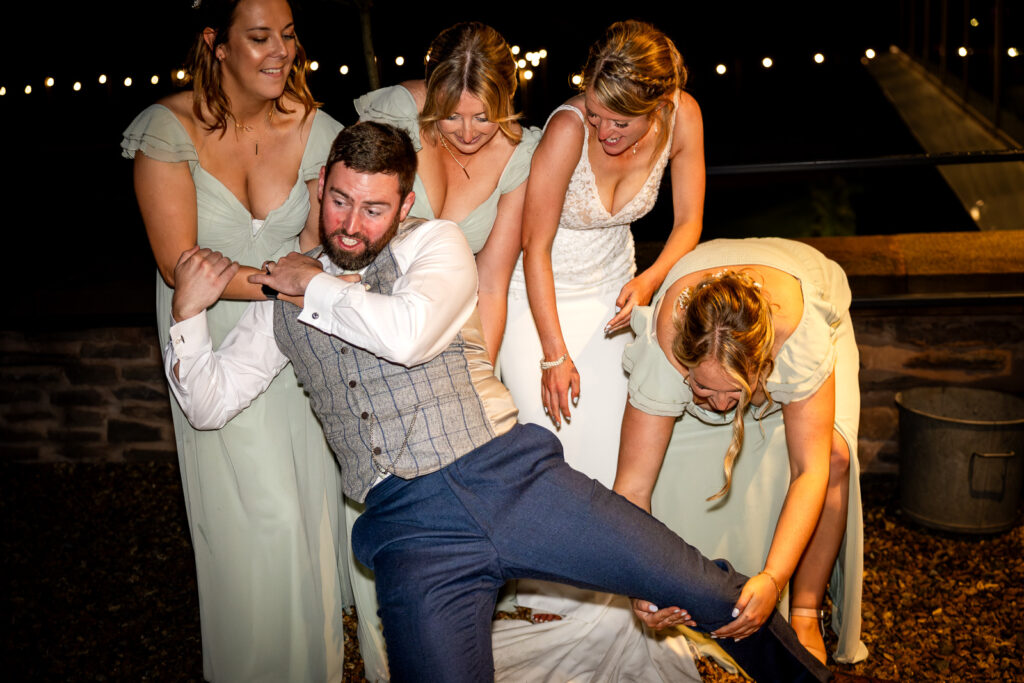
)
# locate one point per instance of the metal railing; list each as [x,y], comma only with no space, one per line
[891,161]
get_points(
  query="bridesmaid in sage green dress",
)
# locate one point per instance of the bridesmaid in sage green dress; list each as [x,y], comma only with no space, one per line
[774,390]
[232,165]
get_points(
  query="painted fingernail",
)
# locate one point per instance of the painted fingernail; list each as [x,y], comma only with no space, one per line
[652,608]
[576,401]
[735,612]
[675,611]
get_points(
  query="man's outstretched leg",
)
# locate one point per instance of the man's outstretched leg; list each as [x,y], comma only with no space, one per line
[550,522]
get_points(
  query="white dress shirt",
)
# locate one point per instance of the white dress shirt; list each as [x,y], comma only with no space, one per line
[427,307]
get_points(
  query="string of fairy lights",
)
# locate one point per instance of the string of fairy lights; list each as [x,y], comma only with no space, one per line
[526,61]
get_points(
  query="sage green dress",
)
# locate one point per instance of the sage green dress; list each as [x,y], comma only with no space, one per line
[395,105]
[262,493]
[740,526]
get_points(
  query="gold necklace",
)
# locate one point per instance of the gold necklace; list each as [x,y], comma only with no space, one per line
[246,128]
[450,152]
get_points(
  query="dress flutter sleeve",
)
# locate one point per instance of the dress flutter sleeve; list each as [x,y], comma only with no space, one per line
[158,134]
[394,105]
[655,386]
[321,136]
[518,168]
[808,357]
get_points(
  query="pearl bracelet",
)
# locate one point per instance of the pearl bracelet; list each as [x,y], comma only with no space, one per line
[548,364]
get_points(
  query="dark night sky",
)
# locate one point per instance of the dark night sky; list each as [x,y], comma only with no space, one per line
[77,41]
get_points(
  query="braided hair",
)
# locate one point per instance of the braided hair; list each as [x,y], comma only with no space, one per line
[634,70]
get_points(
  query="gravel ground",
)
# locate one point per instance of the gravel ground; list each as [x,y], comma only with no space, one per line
[101,585]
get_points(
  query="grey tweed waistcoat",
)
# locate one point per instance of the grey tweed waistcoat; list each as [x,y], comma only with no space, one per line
[380,417]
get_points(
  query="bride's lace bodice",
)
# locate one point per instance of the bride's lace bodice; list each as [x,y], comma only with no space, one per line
[593,247]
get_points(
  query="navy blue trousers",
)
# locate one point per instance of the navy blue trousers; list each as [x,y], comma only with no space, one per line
[442,545]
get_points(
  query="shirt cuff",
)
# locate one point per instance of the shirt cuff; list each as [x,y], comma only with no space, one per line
[191,337]
[323,293]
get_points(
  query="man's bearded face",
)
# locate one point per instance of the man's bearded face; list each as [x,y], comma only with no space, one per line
[354,258]
[359,214]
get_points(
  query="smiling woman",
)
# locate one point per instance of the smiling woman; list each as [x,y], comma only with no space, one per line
[232,165]
[473,155]
[597,170]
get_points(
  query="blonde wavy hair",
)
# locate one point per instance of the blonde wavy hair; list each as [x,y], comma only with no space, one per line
[470,57]
[726,318]
[634,70]
[202,68]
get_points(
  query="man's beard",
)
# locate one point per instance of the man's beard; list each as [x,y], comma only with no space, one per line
[347,260]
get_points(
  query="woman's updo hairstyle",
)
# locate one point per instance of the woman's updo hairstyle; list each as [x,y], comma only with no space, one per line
[634,70]
[202,67]
[727,319]
[470,57]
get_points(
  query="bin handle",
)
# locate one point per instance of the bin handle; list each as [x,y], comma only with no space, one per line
[983,493]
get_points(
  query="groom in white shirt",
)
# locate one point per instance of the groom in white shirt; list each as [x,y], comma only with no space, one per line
[459,497]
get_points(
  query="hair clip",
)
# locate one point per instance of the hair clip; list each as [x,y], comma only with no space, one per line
[683,300]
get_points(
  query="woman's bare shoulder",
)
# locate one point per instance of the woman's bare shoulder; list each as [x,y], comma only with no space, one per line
[786,298]
[565,123]
[688,121]
[579,103]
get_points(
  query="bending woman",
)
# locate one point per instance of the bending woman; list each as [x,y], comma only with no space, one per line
[473,161]
[232,165]
[740,329]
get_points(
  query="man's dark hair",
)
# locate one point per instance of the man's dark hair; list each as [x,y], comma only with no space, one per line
[371,147]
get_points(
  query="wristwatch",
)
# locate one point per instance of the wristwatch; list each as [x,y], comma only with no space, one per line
[269,292]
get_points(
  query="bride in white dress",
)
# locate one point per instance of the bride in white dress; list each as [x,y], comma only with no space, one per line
[597,169]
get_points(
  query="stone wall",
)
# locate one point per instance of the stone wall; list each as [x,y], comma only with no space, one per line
[94,394]
[930,309]
[980,347]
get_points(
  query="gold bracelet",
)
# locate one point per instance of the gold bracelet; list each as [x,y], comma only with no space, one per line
[548,364]
[778,591]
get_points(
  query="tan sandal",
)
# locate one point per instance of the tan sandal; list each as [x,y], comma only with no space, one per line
[819,614]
